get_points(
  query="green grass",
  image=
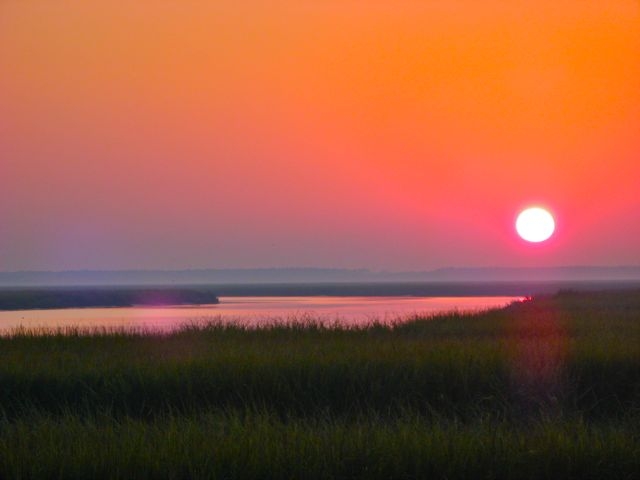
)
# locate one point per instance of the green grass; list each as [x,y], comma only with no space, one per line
[259,445]
[543,389]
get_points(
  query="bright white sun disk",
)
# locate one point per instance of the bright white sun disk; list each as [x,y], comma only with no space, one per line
[535,224]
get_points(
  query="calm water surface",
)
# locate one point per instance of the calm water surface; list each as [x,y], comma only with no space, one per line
[253,311]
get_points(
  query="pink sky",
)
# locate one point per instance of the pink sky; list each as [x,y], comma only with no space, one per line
[397,135]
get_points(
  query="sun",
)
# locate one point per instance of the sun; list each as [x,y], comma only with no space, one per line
[535,224]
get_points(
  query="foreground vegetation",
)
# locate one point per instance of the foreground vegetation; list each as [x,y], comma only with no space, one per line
[548,388]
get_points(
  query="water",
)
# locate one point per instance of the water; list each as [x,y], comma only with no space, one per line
[252,311]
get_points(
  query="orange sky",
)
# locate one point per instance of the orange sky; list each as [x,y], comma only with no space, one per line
[340,133]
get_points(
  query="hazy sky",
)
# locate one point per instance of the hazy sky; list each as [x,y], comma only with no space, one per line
[339,133]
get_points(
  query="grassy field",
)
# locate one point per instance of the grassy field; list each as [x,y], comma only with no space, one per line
[548,388]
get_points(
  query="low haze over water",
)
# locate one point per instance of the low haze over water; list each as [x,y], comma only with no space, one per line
[253,311]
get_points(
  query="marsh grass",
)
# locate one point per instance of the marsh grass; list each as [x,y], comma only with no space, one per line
[259,445]
[548,388]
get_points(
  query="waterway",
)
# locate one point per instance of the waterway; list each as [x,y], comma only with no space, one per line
[253,312]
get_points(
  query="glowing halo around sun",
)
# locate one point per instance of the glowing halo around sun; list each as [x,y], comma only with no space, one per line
[535,225]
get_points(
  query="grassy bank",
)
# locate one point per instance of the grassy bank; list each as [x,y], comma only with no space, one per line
[548,388]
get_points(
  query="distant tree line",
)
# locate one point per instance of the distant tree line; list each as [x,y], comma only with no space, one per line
[51,298]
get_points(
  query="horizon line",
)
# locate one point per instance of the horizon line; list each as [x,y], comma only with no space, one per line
[333,269]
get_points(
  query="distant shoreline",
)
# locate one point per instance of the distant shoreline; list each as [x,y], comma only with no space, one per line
[260,276]
[58,297]
[101,297]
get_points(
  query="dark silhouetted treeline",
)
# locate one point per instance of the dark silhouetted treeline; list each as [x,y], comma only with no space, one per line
[50,298]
